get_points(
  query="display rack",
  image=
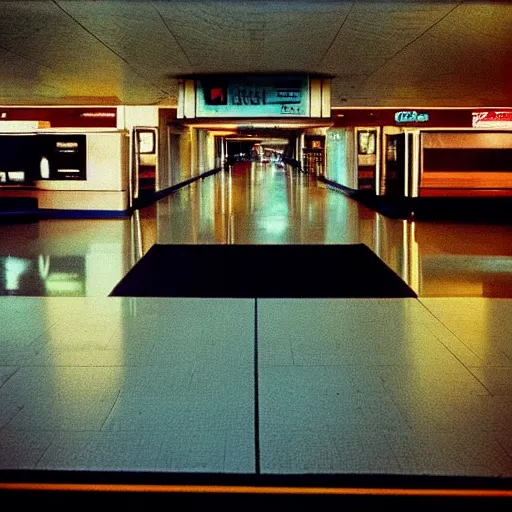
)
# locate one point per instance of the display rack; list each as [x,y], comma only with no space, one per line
[313,161]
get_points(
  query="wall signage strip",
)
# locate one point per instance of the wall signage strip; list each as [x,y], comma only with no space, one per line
[253,96]
[411,116]
[62,117]
[493,119]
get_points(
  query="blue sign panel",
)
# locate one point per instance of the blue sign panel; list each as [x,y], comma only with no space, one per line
[257,96]
[411,116]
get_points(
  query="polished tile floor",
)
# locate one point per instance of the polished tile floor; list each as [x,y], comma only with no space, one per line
[353,386]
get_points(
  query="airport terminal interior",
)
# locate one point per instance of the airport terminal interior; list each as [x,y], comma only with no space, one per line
[233,270]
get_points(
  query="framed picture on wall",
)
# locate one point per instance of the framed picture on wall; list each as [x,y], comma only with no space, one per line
[146,141]
[366,142]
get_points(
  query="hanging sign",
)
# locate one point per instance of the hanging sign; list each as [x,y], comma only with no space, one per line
[253,96]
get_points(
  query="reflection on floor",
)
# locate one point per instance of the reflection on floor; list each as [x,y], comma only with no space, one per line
[264,205]
[65,257]
[381,386]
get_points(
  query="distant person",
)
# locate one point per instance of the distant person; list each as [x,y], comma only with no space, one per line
[230,160]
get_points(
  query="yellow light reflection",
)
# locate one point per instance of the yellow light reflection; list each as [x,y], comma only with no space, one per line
[14,268]
[222,133]
[84,370]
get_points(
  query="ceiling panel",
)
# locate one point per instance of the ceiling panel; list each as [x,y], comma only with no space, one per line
[428,53]
[374,32]
[455,63]
[136,32]
[254,36]
[67,61]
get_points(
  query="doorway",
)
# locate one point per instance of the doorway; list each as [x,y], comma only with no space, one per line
[144,162]
[394,174]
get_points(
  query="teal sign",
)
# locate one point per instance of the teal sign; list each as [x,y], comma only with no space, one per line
[257,96]
[411,116]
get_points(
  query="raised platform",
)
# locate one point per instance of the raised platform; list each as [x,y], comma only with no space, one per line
[249,271]
[18,209]
[496,209]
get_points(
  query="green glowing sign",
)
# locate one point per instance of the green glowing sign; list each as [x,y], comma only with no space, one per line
[411,116]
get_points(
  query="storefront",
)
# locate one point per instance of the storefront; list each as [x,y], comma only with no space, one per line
[420,153]
[64,158]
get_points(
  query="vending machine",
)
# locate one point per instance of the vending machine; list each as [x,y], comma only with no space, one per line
[62,156]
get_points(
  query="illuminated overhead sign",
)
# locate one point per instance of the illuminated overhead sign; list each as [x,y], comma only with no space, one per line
[98,114]
[253,96]
[493,119]
[67,145]
[411,116]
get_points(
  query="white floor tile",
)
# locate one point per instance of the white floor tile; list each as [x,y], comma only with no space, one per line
[483,325]
[451,453]
[498,380]
[370,367]
[96,451]
[190,450]
[6,373]
[60,398]
[139,412]
[193,450]
[23,450]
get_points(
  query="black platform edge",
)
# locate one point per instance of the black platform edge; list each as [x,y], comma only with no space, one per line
[399,208]
[327,480]
[19,217]
[12,210]
[15,204]
[66,487]
[18,209]
[153,197]
[140,280]
[44,214]
[495,210]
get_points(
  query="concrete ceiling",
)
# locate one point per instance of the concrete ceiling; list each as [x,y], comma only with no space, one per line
[381,53]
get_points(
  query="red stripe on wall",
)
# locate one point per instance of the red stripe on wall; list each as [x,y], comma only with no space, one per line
[66,117]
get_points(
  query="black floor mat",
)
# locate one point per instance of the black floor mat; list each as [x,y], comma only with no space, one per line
[277,271]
